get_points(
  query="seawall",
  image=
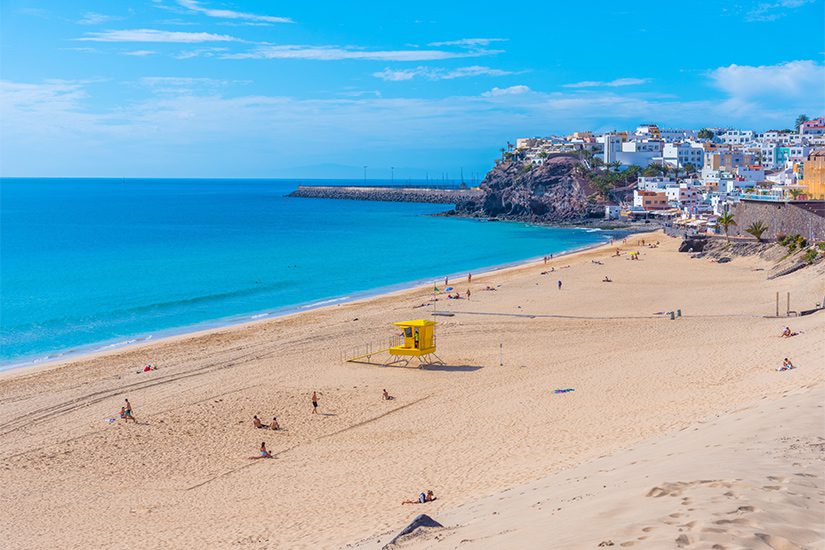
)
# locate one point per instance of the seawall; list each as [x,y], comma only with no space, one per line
[387,194]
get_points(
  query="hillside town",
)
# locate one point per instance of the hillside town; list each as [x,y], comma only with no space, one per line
[691,178]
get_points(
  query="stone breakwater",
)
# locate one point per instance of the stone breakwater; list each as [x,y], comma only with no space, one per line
[387,194]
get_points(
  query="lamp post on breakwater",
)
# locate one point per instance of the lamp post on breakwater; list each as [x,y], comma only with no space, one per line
[365,175]
[392,174]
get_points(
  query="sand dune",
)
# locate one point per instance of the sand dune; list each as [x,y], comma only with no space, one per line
[752,478]
[486,422]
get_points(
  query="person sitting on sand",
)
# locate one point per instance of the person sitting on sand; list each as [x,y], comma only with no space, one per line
[786,365]
[606,279]
[264,452]
[257,422]
[387,396]
[422,498]
[787,333]
[489,288]
[274,425]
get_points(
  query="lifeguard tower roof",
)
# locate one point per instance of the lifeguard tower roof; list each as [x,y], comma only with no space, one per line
[414,323]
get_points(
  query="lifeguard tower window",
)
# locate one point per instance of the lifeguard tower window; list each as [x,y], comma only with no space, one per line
[408,332]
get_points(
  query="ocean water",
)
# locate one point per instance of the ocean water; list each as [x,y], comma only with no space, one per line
[90,264]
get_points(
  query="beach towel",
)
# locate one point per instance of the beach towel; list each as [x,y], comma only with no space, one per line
[564,390]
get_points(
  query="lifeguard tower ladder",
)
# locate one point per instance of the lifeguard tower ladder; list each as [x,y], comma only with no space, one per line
[417,340]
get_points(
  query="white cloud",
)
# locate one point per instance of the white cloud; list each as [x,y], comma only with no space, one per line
[468,42]
[92,18]
[771,11]
[334,53]
[184,85]
[200,52]
[434,73]
[152,35]
[196,6]
[608,84]
[140,53]
[512,90]
[794,80]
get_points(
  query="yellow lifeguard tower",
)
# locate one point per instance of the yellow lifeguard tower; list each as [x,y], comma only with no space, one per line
[417,339]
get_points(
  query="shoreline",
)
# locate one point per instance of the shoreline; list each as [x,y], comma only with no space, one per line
[238,322]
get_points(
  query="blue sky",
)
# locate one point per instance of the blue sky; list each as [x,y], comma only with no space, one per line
[232,88]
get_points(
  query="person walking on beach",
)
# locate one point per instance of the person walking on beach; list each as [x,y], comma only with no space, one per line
[127,412]
[468,293]
[446,280]
[559,283]
[314,403]
[469,277]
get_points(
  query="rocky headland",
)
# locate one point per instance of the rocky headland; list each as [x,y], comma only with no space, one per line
[558,191]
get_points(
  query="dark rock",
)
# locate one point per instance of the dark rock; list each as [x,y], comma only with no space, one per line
[693,245]
[420,522]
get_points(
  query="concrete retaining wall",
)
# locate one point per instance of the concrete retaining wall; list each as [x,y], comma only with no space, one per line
[782,218]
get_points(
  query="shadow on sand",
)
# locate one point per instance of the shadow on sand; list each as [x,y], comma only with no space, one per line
[451,368]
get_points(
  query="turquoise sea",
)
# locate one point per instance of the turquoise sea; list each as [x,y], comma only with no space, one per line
[88,264]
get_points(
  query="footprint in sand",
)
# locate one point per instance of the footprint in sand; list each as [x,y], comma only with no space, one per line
[648,529]
[742,509]
[777,542]
[683,540]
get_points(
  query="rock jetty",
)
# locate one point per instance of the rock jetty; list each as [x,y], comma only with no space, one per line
[388,194]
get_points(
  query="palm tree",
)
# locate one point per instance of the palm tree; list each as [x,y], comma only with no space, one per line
[689,168]
[800,120]
[726,220]
[756,229]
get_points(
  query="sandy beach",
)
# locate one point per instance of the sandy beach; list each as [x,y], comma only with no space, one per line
[482,427]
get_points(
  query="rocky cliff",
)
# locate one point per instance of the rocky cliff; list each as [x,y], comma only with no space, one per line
[556,191]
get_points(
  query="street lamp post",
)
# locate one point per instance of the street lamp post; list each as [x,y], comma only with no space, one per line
[392,174]
[365,175]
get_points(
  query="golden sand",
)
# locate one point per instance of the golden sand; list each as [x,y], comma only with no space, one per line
[182,476]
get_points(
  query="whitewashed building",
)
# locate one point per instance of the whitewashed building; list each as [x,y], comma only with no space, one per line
[736,137]
[680,154]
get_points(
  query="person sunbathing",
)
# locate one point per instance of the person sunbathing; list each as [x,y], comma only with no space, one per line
[787,333]
[607,279]
[274,425]
[422,498]
[387,396]
[264,453]
[257,422]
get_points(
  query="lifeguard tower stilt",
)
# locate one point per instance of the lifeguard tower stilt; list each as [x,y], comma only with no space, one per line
[417,340]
